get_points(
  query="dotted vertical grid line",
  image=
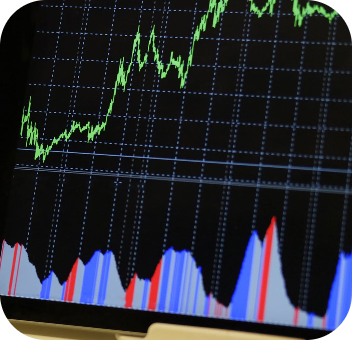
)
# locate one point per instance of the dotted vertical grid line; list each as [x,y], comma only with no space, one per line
[178,138]
[99,117]
[226,193]
[120,159]
[45,122]
[309,237]
[206,138]
[72,105]
[220,233]
[79,59]
[266,117]
[194,235]
[112,217]
[46,273]
[136,135]
[130,86]
[146,151]
[346,200]
[319,149]
[293,137]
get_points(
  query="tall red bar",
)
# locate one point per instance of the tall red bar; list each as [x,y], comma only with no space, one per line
[266,268]
[18,269]
[68,283]
[71,287]
[154,288]
[13,268]
[296,316]
[324,322]
[130,292]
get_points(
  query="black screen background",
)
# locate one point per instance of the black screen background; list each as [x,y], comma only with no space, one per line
[93,184]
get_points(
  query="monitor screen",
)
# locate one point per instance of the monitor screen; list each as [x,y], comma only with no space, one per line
[186,157]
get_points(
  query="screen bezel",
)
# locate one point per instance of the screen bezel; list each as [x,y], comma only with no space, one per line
[133,320]
[16,56]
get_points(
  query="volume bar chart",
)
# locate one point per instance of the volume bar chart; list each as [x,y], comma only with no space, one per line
[177,286]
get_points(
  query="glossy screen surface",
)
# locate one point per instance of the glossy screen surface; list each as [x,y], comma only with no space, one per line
[186,157]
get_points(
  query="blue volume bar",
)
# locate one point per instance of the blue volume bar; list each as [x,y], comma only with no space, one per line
[333,301]
[90,279]
[240,296]
[46,287]
[178,293]
[189,288]
[104,278]
[256,307]
[310,320]
[347,290]
[145,294]
[63,291]
[176,284]
[183,283]
[165,279]
[196,292]
[206,305]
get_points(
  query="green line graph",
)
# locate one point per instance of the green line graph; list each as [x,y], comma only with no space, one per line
[216,8]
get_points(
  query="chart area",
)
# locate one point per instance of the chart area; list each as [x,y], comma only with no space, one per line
[188,157]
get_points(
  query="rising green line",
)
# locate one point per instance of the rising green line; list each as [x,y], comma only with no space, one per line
[216,7]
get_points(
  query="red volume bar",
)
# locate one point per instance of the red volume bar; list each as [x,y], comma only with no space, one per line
[154,288]
[266,268]
[13,268]
[18,269]
[71,282]
[296,316]
[130,292]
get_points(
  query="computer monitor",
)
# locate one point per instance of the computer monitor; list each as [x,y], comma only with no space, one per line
[186,162]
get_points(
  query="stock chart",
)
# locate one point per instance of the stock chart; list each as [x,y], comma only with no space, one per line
[190,157]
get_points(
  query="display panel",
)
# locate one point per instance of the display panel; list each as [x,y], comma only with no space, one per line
[214,184]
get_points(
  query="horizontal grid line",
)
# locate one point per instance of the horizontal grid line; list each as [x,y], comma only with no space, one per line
[185,148]
[189,120]
[138,9]
[204,161]
[235,95]
[194,179]
[260,68]
[276,41]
